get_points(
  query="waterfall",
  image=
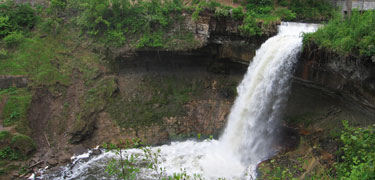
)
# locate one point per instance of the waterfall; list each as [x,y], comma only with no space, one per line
[252,126]
[255,115]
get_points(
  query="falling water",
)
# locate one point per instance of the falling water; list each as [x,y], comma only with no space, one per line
[252,125]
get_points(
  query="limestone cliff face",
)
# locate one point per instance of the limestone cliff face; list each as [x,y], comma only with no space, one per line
[219,37]
[349,75]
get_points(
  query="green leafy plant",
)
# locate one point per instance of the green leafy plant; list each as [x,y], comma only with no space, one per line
[285,14]
[20,16]
[312,9]
[5,26]
[4,135]
[8,153]
[237,13]
[352,35]
[125,166]
[250,26]
[357,153]
[14,39]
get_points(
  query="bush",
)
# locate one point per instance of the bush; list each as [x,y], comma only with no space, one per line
[5,26]
[283,3]
[111,22]
[4,135]
[249,26]
[20,15]
[222,12]
[237,13]
[8,153]
[13,39]
[23,143]
[3,53]
[353,35]
[285,14]
[358,153]
[312,9]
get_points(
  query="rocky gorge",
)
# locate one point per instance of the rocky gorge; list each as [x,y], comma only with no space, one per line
[163,95]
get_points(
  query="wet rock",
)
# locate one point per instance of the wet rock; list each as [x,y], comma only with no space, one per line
[52,162]
[96,152]
[79,149]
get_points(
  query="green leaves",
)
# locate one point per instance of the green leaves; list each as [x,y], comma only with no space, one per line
[358,154]
[145,21]
[249,26]
[353,35]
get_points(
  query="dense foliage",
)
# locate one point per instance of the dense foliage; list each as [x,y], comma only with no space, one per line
[143,23]
[311,9]
[358,153]
[15,18]
[352,35]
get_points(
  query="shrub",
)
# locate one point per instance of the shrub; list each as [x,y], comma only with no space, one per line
[112,21]
[285,14]
[353,35]
[13,39]
[358,153]
[283,3]
[312,9]
[4,135]
[249,26]
[222,12]
[23,143]
[8,153]
[21,15]
[5,26]
[237,13]
[3,53]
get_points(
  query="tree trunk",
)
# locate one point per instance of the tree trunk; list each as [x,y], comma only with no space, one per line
[349,7]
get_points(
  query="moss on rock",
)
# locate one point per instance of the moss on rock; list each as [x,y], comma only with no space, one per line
[94,101]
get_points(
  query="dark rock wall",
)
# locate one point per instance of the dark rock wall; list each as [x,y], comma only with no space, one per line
[350,76]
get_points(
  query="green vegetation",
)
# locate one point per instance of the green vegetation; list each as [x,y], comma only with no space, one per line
[4,135]
[318,10]
[15,147]
[351,36]
[355,157]
[16,18]
[16,108]
[140,24]
[22,143]
[8,153]
[357,153]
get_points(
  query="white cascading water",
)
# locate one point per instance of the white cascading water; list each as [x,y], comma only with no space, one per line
[252,124]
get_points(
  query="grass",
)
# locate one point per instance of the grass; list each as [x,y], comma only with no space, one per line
[350,36]
[37,58]
[16,108]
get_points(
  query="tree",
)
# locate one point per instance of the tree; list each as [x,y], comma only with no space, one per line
[349,4]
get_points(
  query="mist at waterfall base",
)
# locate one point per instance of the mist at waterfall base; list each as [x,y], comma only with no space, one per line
[252,127]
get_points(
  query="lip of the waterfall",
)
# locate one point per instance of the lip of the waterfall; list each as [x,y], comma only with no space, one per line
[291,28]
